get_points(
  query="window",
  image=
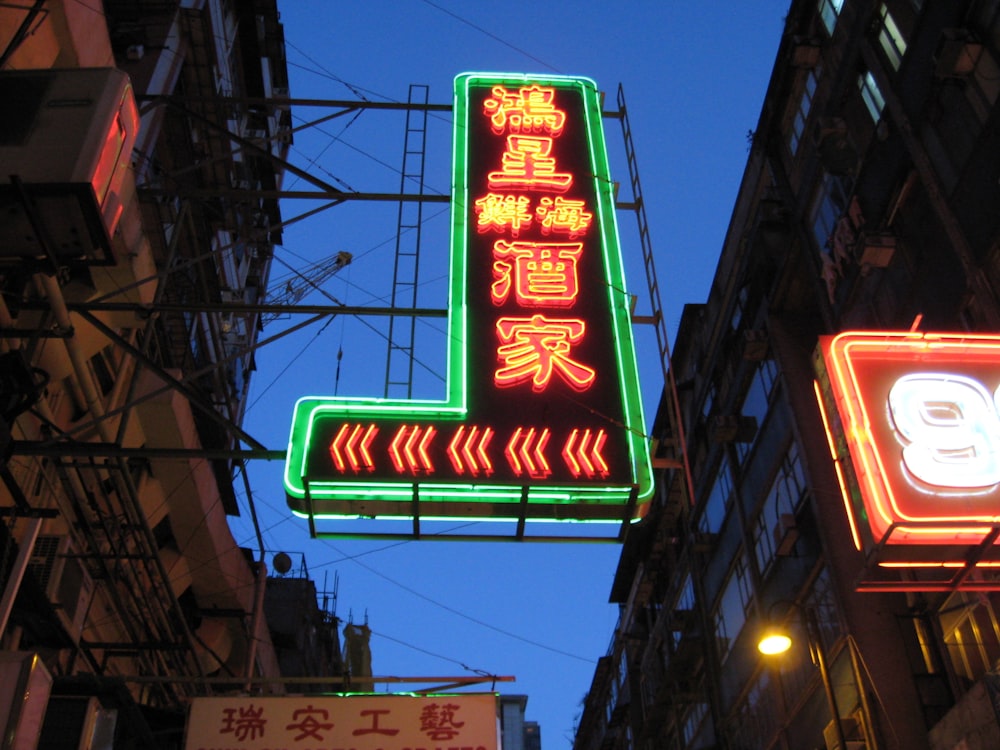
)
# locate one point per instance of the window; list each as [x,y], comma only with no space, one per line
[693,719]
[714,512]
[731,612]
[740,306]
[757,399]
[754,720]
[802,113]
[874,101]
[971,633]
[783,498]
[829,205]
[828,11]
[890,38]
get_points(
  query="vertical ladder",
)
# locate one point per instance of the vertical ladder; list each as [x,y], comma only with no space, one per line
[402,331]
[671,453]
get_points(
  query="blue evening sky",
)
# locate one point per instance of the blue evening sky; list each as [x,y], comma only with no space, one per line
[694,76]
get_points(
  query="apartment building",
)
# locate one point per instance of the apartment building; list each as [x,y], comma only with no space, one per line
[142,145]
[869,204]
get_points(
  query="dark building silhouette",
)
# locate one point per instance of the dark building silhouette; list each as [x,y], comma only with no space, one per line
[870,201]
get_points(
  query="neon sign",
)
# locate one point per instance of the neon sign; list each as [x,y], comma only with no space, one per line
[914,424]
[542,418]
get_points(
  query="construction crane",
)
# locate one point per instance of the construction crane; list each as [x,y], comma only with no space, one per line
[302,280]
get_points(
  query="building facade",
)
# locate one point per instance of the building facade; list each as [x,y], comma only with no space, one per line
[869,203]
[139,143]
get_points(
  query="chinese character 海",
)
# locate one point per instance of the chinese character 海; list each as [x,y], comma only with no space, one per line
[563,215]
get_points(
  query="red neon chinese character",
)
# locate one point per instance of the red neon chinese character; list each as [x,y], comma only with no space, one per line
[535,348]
[500,212]
[375,728]
[543,273]
[563,216]
[528,110]
[527,165]
[438,721]
[245,723]
[310,725]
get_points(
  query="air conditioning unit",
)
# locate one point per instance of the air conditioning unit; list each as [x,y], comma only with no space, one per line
[805,52]
[786,534]
[754,345]
[836,149]
[67,146]
[25,685]
[65,580]
[279,92]
[852,735]
[877,249]
[78,723]
[957,54]
[731,428]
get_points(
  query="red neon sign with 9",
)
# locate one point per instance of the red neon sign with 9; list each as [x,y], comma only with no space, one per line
[921,420]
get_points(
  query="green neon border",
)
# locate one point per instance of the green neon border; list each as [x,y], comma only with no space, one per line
[454,406]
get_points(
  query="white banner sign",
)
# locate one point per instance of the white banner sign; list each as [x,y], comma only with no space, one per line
[348,722]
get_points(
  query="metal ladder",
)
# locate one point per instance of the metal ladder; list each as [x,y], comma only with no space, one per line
[399,357]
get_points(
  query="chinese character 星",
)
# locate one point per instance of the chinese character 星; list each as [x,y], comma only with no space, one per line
[527,164]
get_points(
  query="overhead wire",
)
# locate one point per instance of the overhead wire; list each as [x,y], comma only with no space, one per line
[357,91]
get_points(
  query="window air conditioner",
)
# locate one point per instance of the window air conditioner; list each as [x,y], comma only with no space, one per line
[877,249]
[754,345]
[65,580]
[852,735]
[786,534]
[78,723]
[957,54]
[731,428]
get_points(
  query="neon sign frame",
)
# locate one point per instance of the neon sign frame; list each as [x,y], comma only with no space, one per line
[449,458]
[892,501]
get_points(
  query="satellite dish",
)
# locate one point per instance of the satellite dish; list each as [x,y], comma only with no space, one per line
[282,563]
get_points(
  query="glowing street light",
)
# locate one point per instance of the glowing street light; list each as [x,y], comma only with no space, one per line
[777,641]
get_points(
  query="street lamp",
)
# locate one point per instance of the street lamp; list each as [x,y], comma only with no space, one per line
[776,640]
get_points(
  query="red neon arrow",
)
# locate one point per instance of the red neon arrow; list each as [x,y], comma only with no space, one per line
[410,453]
[511,451]
[336,445]
[469,450]
[350,447]
[366,445]
[484,458]
[422,450]
[582,453]
[470,459]
[526,455]
[453,451]
[394,454]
